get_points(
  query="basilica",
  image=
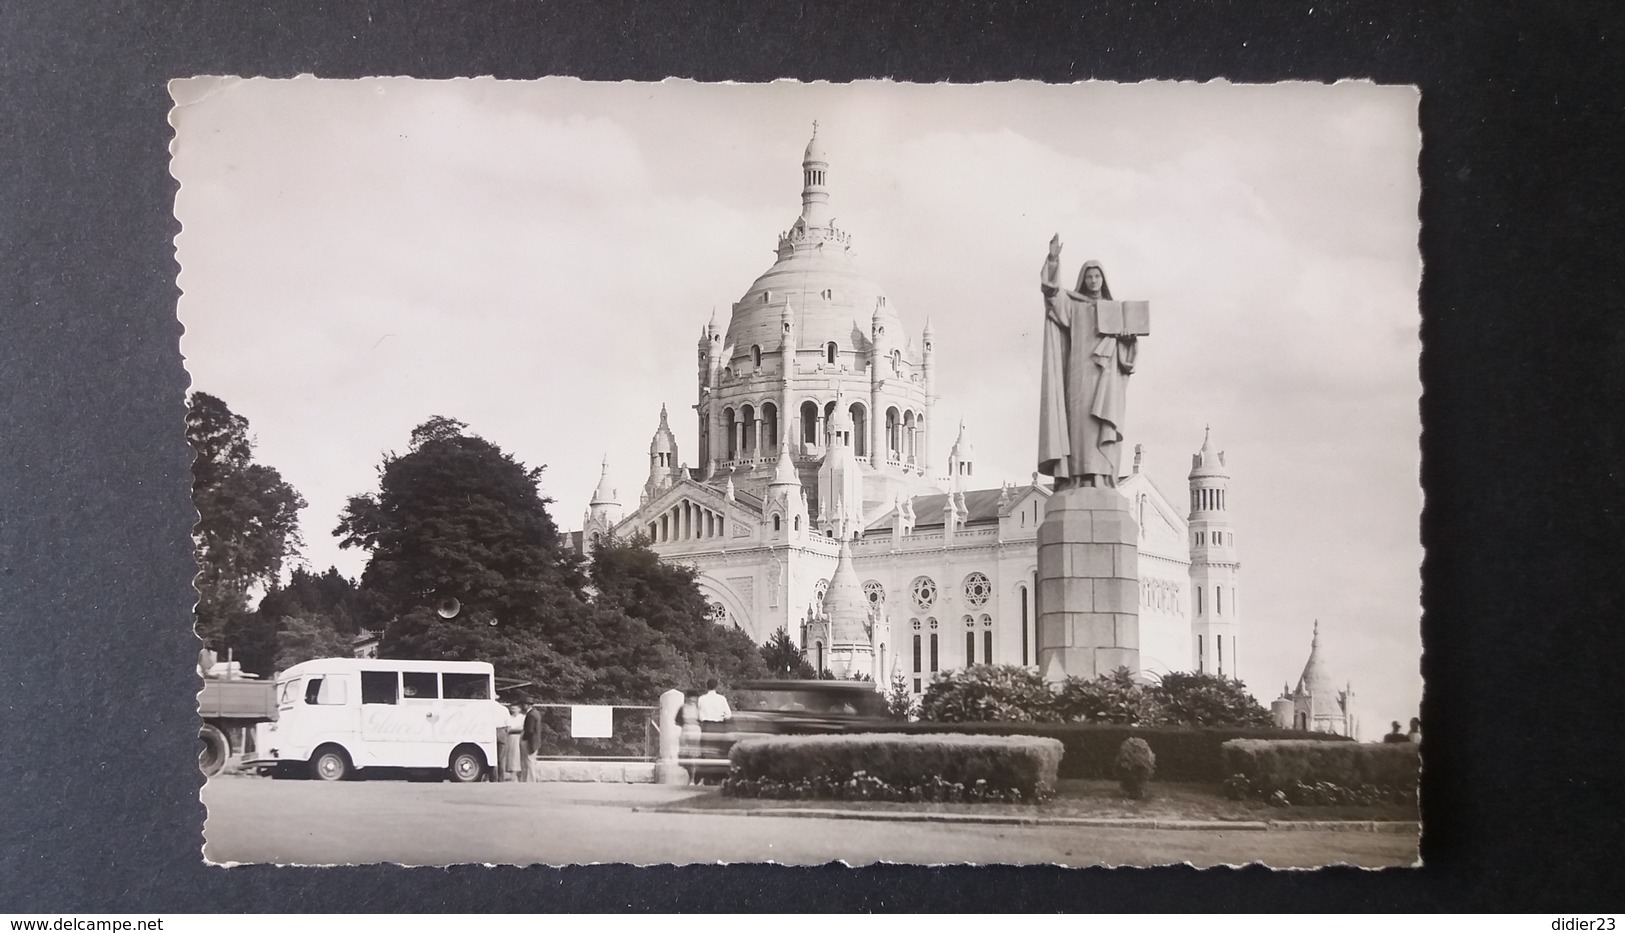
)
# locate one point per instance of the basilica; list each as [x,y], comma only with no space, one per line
[818,506]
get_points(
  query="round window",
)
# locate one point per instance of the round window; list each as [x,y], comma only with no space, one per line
[977,590]
[924,592]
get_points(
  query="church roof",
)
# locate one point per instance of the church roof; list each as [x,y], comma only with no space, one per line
[844,603]
[830,298]
[1208,462]
[1316,680]
[982,504]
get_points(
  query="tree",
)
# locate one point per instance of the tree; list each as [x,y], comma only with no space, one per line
[901,703]
[305,637]
[457,517]
[1207,700]
[329,594]
[784,660]
[629,577]
[248,517]
[1115,698]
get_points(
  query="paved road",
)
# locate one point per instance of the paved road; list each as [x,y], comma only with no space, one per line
[310,823]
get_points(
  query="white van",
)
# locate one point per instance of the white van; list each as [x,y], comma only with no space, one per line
[339,715]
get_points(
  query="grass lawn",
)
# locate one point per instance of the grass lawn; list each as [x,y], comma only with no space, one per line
[1088,799]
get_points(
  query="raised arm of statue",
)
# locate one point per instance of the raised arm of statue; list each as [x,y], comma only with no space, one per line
[1050,278]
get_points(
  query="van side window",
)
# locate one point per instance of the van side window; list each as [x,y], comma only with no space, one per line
[417,685]
[325,691]
[379,686]
[467,686]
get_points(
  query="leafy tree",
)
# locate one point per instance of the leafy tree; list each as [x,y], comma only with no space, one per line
[628,577]
[1115,698]
[987,693]
[304,637]
[457,517]
[329,594]
[900,701]
[784,659]
[248,517]
[1207,700]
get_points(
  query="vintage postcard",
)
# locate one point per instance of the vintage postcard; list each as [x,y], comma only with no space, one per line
[687,473]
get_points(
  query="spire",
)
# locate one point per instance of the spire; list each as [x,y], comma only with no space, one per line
[1208,462]
[815,211]
[603,494]
[784,473]
[1315,680]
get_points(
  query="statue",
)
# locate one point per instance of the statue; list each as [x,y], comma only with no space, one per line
[1090,344]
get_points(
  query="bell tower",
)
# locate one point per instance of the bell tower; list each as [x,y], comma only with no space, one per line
[1215,611]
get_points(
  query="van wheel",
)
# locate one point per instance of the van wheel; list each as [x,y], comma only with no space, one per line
[212,757]
[467,766]
[330,764]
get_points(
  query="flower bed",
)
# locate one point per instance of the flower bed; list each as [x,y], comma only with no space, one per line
[884,766]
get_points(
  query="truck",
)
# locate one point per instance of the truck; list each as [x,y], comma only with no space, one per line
[231,705]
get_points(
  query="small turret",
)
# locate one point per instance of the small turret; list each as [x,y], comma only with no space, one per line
[663,466]
[928,352]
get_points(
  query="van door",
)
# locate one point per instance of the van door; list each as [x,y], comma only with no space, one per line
[327,711]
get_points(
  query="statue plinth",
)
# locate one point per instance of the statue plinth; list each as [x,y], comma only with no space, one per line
[1088,585]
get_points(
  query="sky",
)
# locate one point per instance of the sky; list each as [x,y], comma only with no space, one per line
[537,259]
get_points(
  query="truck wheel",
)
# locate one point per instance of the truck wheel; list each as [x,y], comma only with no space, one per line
[212,757]
[330,764]
[467,765]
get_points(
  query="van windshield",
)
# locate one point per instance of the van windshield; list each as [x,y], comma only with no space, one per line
[288,693]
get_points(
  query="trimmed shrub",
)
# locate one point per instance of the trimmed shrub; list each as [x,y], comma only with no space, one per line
[993,763]
[1194,755]
[1273,765]
[1135,765]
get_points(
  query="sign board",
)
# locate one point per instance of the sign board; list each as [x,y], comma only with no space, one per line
[592,722]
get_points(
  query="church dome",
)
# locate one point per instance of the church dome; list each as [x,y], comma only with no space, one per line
[1208,462]
[817,275]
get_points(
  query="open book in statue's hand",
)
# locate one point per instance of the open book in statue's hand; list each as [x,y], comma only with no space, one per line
[1123,318]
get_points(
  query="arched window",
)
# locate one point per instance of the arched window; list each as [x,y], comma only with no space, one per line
[987,639]
[894,447]
[1218,601]
[970,641]
[795,523]
[747,420]
[915,623]
[932,624]
[770,427]
[809,422]
[776,522]
[819,646]
[860,430]
[830,350]
[1023,591]
[731,433]
[829,415]
[756,356]
[897,362]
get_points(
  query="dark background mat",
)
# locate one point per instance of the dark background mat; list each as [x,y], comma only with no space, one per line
[1524,350]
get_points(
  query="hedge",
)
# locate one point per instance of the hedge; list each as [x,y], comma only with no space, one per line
[1183,754]
[1276,764]
[1006,762]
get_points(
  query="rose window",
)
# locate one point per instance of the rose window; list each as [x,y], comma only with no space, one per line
[819,589]
[924,592]
[875,592]
[977,590]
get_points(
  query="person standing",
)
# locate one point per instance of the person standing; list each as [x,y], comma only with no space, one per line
[511,765]
[1415,735]
[713,706]
[1396,736]
[530,741]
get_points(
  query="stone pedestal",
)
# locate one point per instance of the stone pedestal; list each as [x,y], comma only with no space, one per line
[1088,585]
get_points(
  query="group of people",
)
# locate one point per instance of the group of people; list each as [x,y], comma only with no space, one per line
[518,737]
[1399,735]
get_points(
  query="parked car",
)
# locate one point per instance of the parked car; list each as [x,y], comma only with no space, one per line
[787,707]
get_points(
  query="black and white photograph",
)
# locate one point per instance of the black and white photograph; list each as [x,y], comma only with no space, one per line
[678,472]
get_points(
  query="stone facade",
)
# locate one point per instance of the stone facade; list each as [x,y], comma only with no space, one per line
[795,464]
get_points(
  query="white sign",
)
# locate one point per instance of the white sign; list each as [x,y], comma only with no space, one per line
[592,722]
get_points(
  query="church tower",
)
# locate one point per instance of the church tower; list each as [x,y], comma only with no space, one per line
[1215,612]
[846,634]
[840,484]
[662,460]
[603,512]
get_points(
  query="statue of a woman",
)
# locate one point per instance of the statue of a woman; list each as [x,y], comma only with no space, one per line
[1085,380]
